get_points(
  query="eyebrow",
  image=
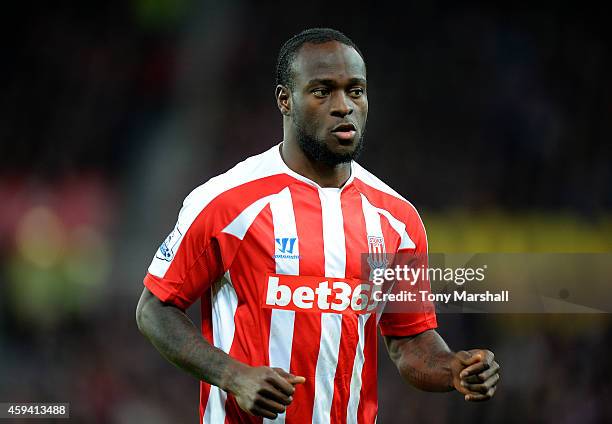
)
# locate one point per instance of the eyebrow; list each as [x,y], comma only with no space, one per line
[331,82]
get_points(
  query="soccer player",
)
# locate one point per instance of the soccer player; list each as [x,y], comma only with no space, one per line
[272,248]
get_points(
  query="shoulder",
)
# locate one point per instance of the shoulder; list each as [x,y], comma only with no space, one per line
[381,195]
[254,177]
[393,206]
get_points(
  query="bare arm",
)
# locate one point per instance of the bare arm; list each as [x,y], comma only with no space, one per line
[423,360]
[260,391]
[426,362]
[173,334]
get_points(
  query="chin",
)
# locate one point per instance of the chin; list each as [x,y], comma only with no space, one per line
[344,145]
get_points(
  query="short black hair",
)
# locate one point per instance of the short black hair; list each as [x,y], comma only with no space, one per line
[289,50]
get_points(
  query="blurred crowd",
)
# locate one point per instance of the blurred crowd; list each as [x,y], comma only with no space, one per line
[494,120]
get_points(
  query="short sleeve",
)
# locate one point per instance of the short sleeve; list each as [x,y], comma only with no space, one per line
[189,260]
[419,316]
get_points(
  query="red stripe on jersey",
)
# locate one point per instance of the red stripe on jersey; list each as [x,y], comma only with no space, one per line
[307,326]
[356,244]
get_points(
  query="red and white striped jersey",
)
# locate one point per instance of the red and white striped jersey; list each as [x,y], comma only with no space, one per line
[263,247]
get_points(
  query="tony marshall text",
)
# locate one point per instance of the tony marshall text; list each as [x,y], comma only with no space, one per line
[455,296]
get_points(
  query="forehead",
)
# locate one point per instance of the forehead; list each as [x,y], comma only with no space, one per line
[331,60]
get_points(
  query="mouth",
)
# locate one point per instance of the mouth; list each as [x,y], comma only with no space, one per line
[344,131]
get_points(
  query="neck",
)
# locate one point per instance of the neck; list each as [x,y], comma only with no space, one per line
[321,173]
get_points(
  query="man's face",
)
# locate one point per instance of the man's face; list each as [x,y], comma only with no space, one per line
[329,101]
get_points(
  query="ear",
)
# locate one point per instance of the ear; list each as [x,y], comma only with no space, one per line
[283,99]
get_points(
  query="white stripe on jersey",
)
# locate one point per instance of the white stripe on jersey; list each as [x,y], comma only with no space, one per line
[281,323]
[372,218]
[224,304]
[400,228]
[239,226]
[334,249]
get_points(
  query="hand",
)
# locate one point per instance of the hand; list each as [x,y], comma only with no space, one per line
[264,391]
[475,374]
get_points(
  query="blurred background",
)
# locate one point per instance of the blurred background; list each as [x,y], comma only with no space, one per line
[493,119]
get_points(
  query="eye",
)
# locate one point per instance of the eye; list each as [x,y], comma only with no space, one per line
[320,92]
[356,92]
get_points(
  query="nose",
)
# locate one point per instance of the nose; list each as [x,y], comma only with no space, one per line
[341,105]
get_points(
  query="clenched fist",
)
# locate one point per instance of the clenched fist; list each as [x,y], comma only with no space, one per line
[264,391]
[475,374]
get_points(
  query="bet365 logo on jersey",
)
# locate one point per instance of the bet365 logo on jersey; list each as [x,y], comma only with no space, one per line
[319,294]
